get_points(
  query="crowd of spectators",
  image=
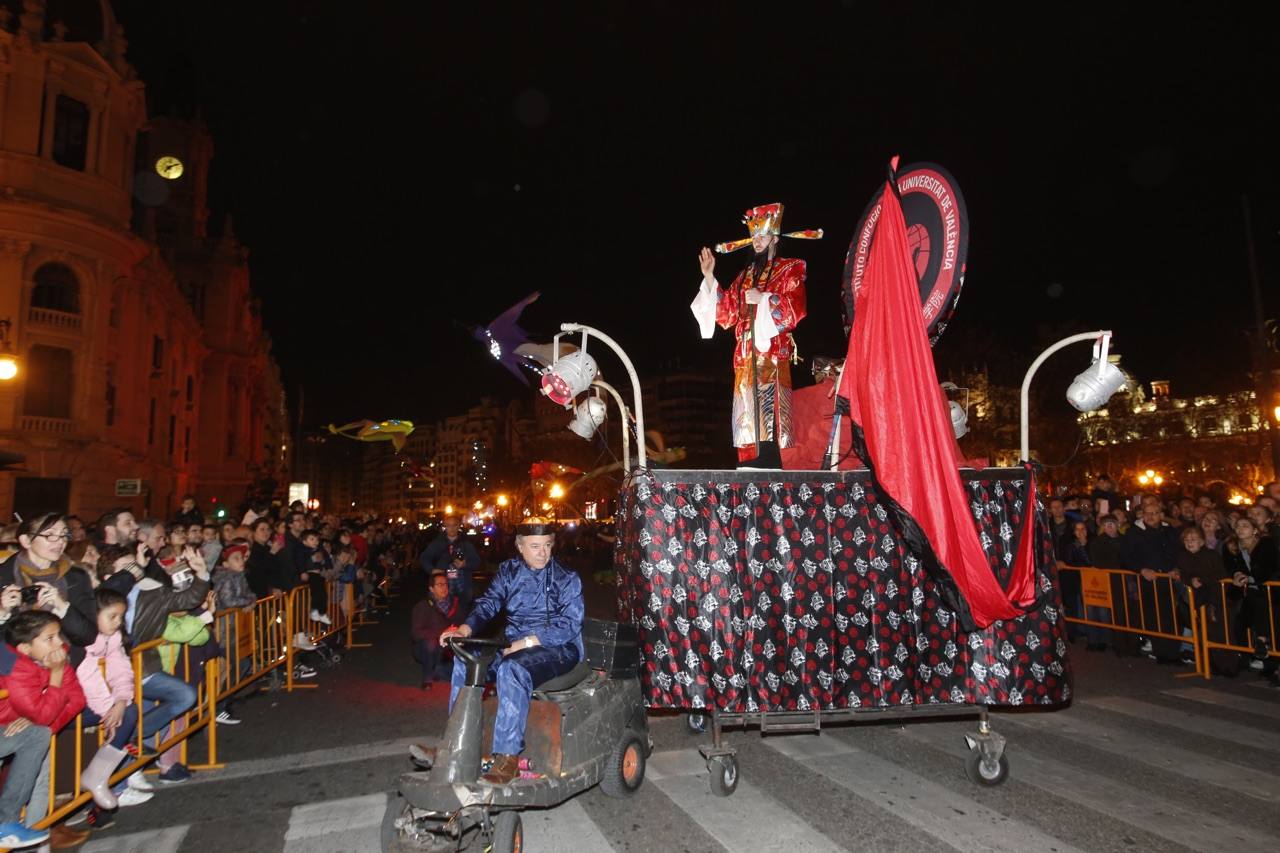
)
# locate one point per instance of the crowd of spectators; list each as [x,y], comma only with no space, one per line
[1219,556]
[75,598]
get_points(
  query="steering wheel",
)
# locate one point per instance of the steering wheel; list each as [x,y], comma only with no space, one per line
[456,642]
[477,664]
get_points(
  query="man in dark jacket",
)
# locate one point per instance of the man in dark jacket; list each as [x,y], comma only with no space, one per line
[430,618]
[293,558]
[1150,549]
[451,553]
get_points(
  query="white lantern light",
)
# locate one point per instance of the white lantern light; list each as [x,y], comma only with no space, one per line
[588,417]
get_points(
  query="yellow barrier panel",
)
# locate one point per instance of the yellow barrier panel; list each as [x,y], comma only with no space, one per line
[1226,614]
[340,610]
[1164,595]
[254,641]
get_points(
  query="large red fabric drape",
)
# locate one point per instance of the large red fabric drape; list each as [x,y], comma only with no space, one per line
[894,397]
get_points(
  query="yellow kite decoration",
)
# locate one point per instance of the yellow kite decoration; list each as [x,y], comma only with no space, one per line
[394,431]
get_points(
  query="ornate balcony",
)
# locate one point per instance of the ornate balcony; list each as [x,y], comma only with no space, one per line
[61,320]
[48,426]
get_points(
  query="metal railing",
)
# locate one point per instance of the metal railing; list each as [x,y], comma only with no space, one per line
[255,641]
[1159,606]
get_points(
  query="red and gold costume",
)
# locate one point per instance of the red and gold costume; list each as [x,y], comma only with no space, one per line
[765,347]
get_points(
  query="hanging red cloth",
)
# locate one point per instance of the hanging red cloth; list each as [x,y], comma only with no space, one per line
[902,430]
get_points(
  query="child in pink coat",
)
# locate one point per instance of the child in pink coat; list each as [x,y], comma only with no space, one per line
[109,697]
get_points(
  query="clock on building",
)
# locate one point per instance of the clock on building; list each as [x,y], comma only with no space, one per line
[169,168]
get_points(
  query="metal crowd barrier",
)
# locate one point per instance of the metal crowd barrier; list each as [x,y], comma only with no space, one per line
[1233,635]
[1152,608]
[255,641]
[342,618]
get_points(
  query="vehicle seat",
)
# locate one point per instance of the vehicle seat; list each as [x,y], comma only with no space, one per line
[569,680]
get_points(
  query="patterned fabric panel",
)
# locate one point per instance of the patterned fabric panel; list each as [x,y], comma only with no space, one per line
[753,595]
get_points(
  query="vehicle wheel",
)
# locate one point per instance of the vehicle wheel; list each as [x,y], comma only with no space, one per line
[697,722]
[983,773]
[724,774]
[508,833]
[624,771]
[396,841]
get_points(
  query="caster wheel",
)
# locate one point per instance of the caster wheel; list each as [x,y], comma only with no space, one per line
[625,769]
[697,722]
[724,774]
[984,773]
[508,833]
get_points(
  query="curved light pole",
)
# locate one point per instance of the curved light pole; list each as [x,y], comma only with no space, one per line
[631,371]
[1025,419]
[622,408]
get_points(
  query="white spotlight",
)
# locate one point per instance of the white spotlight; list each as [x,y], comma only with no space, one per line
[1094,387]
[588,417]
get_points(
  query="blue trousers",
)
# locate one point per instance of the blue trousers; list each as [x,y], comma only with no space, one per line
[516,675]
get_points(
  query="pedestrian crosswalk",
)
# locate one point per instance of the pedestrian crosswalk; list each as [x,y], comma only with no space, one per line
[1110,773]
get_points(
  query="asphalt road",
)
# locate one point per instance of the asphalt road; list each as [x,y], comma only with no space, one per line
[1141,761]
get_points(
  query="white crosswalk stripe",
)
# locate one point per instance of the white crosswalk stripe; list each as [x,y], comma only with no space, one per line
[1117,800]
[566,827]
[950,810]
[336,826]
[1154,752]
[748,820]
[938,810]
[1223,699]
[1187,721]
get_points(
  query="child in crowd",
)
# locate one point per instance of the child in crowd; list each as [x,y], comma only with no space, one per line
[344,560]
[109,697]
[314,559]
[28,744]
[210,545]
[229,581]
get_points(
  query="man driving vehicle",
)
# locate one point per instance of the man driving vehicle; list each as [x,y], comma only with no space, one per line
[544,609]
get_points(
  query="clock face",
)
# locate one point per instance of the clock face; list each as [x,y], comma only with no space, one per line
[169,168]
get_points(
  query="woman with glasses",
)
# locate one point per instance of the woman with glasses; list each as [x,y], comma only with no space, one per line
[40,576]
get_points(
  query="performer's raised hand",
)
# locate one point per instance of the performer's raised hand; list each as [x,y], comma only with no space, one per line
[752,295]
[708,263]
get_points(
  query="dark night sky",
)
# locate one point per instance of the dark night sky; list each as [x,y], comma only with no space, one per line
[397,167]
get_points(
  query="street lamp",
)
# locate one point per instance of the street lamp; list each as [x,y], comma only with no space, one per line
[1090,390]
[557,491]
[8,358]
[502,500]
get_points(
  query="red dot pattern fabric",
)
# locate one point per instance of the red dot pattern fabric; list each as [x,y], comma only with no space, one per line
[798,594]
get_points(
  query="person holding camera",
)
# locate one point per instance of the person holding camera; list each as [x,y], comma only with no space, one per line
[453,554]
[40,577]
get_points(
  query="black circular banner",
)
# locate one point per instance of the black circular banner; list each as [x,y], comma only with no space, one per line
[938,233]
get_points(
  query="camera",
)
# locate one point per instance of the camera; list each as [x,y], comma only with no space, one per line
[30,594]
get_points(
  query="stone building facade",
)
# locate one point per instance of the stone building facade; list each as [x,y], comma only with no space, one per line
[142,354]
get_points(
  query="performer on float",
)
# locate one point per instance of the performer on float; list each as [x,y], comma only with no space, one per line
[762,305]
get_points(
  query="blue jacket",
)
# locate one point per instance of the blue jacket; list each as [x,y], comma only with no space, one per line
[546,603]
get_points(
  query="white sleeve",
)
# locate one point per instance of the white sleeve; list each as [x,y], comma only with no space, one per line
[765,329]
[704,306]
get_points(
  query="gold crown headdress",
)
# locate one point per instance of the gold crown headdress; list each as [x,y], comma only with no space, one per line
[766,219]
